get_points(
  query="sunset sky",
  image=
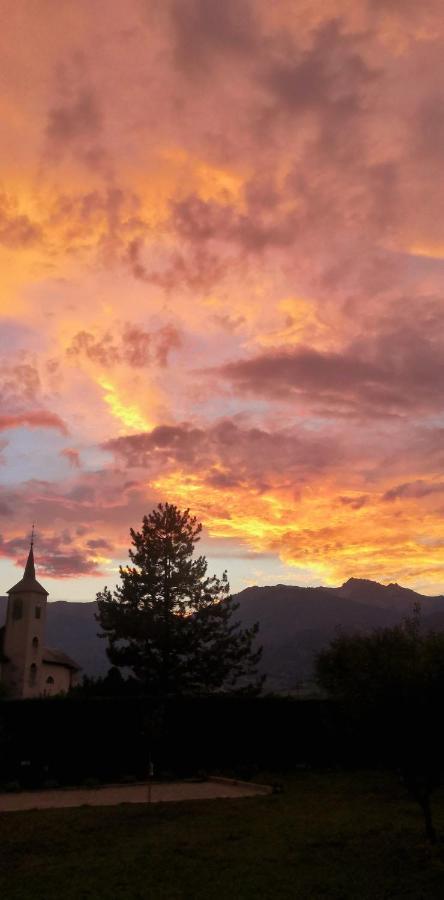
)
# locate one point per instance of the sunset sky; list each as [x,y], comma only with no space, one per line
[222,260]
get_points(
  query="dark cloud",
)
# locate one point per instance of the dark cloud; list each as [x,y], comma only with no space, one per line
[168,338]
[392,374]
[3,445]
[261,227]
[428,128]
[17,230]
[226,454]
[75,119]
[330,75]
[99,544]
[320,200]
[66,565]
[101,220]
[21,398]
[88,499]
[75,125]
[82,494]
[355,502]
[72,456]
[102,350]
[413,490]
[19,384]
[317,99]
[133,256]
[228,323]
[135,346]
[204,32]
[196,269]
[54,559]
[5,510]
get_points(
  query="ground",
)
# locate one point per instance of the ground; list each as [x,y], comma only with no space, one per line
[334,835]
[113,795]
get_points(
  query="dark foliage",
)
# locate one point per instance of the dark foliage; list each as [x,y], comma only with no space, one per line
[113,684]
[169,622]
[391,684]
[71,739]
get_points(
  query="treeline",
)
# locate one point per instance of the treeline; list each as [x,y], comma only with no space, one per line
[69,740]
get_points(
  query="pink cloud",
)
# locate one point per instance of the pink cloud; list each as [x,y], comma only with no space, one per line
[37,419]
[73,457]
[55,559]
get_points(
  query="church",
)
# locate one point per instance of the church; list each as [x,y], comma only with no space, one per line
[27,667]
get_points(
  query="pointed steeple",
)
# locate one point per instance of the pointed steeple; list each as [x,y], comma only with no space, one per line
[29,581]
[30,567]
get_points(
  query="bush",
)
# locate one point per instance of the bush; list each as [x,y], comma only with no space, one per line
[12,787]
[91,783]
[50,784]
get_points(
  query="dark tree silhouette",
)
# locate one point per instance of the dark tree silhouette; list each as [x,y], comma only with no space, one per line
[169,622]
[391,685]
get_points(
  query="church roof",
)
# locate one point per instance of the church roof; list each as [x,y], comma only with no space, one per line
[29,582]
[59,658]
[54,657]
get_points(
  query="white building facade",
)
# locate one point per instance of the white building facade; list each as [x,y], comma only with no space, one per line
[27,667]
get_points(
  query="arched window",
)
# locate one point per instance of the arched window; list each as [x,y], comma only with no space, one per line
[32,674]
[17,608]
[35,643]
[49,680]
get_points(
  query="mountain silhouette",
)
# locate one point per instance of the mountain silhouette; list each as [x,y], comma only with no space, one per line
[295,623]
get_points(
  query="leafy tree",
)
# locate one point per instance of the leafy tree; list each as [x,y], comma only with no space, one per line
[169,622]
[113,684]
[391,685]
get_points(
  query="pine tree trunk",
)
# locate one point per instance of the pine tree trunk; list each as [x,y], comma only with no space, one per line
[167,635]
[428,821]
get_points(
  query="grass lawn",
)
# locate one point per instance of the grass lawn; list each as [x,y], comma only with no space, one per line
[329,835]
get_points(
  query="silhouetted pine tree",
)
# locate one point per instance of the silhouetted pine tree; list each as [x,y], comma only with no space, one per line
[169,622]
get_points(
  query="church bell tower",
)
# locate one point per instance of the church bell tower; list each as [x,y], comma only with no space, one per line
[25,634]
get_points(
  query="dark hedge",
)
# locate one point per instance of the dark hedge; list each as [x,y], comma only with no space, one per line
[68,740]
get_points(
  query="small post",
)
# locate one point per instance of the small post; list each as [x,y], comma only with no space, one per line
[150,777]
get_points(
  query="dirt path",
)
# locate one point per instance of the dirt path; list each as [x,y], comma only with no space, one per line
[112,795]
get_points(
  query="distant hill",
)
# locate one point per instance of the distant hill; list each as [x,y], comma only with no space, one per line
[390,596]
[295,623]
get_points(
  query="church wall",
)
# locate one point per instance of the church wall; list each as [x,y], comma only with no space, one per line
[62,679]
[23,645]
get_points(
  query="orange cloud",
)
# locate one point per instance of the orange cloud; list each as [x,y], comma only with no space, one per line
[125,412]
[331,539]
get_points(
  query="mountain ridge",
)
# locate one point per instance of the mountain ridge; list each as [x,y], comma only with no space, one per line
[295,623]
